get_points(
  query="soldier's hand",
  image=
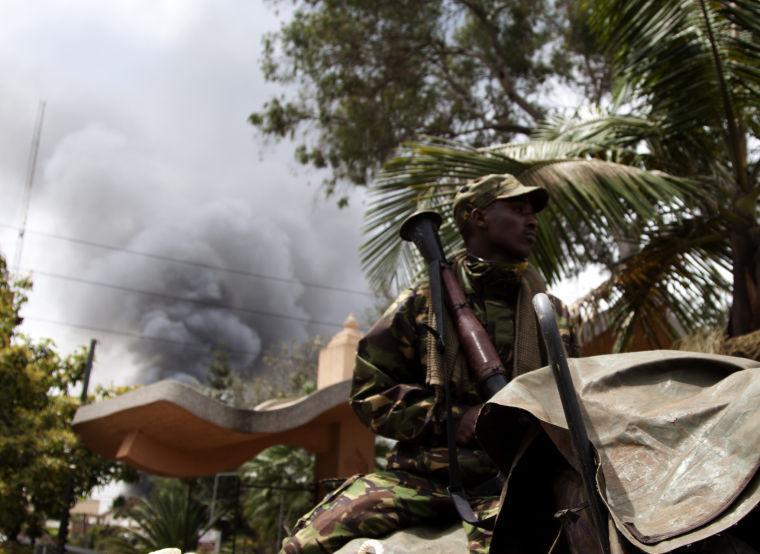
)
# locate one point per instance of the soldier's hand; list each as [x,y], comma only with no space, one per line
[465,434]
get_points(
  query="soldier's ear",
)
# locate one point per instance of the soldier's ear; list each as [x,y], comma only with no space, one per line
[477,218]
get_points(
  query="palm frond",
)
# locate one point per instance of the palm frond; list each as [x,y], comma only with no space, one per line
[603,128]
[630,138]
[591,201]
[547,149]
[695,61]
[674,284]
[170,518]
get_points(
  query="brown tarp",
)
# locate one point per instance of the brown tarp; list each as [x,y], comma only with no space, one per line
[677,435]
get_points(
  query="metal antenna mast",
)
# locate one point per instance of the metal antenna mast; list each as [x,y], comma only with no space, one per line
[30,169]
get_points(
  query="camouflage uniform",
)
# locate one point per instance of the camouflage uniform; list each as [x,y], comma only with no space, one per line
[391,396]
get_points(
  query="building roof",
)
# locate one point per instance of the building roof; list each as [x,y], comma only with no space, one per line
[169,428]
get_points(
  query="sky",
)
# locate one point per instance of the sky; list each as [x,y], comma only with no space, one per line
[145,149]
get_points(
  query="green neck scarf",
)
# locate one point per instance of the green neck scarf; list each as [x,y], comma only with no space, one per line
[481,276]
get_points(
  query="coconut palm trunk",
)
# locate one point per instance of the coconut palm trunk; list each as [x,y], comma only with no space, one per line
[745,304]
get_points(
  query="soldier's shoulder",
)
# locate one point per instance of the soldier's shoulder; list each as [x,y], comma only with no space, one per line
[411,298]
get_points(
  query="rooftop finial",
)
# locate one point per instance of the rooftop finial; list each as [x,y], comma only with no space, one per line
[350,322]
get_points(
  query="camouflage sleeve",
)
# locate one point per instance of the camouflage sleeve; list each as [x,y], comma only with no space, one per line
[389,393]
[566,327]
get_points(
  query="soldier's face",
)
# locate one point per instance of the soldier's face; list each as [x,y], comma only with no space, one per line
[509,228]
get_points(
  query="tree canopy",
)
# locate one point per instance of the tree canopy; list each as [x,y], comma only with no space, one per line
[171,517]
[40,456]
[693,69]
[220,377]
[280,488]
[366,76]
[661,187]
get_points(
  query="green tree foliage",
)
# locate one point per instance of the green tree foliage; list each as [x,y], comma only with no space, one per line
[693,68]
[171,517]
[370,75]
[39,452]
[594,198]
[279,485]
[595,203]
[684,75]
[279,482]
[288,369]
[291,367]
[221,377]
[276,487]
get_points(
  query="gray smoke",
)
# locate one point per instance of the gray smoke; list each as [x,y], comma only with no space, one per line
[122,197]
[146,147]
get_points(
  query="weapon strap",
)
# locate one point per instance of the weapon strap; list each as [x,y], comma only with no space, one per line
[456,489]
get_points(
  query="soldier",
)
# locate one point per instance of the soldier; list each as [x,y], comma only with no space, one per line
[394,392]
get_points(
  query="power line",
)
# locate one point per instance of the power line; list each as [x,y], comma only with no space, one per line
[192,345]
[206,303]
[190,262]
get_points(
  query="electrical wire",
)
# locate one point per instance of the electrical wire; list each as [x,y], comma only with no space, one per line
[207,303]
[189,262]
[202,302]
[191,345]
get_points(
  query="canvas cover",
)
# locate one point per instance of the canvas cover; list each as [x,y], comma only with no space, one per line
[677,436]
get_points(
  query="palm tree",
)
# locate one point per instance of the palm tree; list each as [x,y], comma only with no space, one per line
[597,204]
[666,241]
[170,518]
[695,66]
[676,262]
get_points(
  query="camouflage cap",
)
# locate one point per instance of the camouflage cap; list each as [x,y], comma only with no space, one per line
[484,190]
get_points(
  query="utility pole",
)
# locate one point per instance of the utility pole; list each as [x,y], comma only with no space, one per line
[31,167]
[63,529]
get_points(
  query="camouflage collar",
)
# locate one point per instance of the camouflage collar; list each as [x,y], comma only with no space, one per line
[482,276]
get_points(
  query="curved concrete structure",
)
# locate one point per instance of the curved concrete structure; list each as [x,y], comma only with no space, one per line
[169,428]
